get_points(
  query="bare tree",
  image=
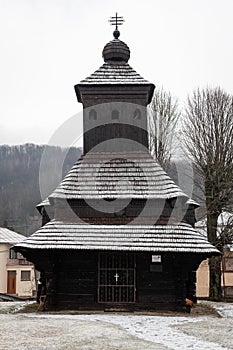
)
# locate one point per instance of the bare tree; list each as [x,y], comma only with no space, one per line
[163,117]
[208,137]
[225,231]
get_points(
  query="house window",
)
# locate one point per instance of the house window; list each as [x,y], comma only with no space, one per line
[228,292]
[25,275]
[115,114]
[92,115]
[228,262]
[12,254]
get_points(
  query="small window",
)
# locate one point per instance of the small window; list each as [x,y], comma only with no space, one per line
[228,292]
[12,273]
[137,114]
[228,262]
[12,254]
[25,275]
[92,115]
[115,114]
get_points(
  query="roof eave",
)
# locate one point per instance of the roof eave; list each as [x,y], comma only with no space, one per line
[81,87]
[206,253]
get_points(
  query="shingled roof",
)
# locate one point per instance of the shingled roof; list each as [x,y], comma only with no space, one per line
[10,237]
[117,175]
[109,73]
[160,238]
[116,69]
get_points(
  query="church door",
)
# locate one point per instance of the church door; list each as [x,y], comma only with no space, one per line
[116,282]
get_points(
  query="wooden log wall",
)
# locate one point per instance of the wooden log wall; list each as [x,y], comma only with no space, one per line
[157,211]
[77,280]
[72,281]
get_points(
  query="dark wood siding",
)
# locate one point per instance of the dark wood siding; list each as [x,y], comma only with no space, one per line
[115,132]
[77,279]
[72,280]
[155,282]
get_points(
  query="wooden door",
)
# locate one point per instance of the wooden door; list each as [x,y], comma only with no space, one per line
[11,282]
[116,278]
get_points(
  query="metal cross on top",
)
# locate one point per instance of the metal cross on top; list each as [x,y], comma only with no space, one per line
[116,21]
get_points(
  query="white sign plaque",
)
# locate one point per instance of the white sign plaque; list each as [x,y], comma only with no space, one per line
[156,258]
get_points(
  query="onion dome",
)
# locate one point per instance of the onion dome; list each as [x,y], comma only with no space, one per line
[116,50]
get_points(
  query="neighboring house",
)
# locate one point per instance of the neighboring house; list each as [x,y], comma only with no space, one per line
[227,263]
[17,275]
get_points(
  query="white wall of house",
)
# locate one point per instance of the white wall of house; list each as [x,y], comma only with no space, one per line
[24,285]
[202,286]
[4,254]
[24,288]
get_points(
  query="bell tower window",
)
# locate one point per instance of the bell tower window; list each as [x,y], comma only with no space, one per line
[137,114]
[115,115]
[92,114]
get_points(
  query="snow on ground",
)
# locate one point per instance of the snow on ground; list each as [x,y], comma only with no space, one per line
[11,306]
[224,309]
[115,331]
[217,330]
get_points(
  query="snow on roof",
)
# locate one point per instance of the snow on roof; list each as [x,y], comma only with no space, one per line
[190,201]
[45,202]
[117,175]
[110,73]
[182,238]
[8,236]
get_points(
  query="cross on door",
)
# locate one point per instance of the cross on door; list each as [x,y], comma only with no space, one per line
[116,277]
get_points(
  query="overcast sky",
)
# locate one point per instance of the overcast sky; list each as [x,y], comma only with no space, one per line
[48,46]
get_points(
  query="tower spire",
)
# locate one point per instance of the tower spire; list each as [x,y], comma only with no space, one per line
[116,21]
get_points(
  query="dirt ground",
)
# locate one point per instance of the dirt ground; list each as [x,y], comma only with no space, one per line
[200,309]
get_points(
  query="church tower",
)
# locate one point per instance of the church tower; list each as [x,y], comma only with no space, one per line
[114,99]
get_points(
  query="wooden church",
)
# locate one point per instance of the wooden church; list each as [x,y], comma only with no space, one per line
[117,233]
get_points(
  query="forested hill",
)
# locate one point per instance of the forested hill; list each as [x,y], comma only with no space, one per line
[19,181]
